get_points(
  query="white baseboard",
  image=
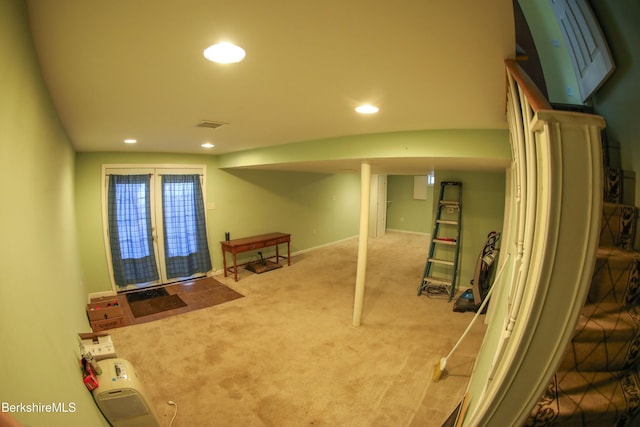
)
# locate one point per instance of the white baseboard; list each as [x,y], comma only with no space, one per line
[324,245]
[409,232]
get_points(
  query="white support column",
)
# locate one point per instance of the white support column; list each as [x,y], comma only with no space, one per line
[361,272]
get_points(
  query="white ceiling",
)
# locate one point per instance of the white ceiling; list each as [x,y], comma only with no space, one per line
[134,69]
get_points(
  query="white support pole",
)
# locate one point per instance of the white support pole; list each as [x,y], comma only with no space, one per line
[361,272]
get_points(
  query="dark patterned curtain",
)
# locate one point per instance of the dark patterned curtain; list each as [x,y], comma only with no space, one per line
[130,232]
[185,234]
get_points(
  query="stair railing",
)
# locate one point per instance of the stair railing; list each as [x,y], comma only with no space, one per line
[552,222]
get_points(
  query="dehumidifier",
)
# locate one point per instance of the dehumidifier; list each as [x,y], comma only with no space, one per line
[121,397]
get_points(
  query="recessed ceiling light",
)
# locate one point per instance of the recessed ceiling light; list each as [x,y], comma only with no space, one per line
[130,141]
[224,53]
[367,109]
[207,145]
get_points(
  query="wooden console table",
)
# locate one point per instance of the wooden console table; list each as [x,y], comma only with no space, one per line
[247,244]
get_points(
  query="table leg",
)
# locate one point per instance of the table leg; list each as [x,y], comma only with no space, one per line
[224,262]
[289,253]
[235,268]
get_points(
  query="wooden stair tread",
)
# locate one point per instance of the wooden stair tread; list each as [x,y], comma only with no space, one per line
[604,320]
[611,205]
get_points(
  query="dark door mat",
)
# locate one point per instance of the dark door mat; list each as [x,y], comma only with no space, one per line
[262,266]
[146,294]
[155,305]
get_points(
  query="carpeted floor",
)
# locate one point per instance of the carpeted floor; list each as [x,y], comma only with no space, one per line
[287,355]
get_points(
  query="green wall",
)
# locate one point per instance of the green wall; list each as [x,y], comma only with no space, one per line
[483,206]
[42,299]
[483,202]
[406,213]
[315,208]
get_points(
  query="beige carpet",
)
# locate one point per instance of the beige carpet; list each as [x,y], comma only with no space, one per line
[287,355]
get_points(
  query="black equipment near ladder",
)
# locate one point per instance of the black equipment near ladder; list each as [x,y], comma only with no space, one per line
[471,299]
[441,269]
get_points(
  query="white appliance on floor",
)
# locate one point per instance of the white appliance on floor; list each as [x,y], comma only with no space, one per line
[121,397]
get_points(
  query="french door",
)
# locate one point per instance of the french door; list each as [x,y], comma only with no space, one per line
[155,225]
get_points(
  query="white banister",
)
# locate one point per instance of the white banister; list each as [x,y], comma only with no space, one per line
[553,223]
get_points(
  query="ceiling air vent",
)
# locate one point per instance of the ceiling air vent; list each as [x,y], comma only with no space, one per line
[209,124]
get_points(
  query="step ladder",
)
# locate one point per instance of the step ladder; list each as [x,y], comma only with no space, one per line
[441,269]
